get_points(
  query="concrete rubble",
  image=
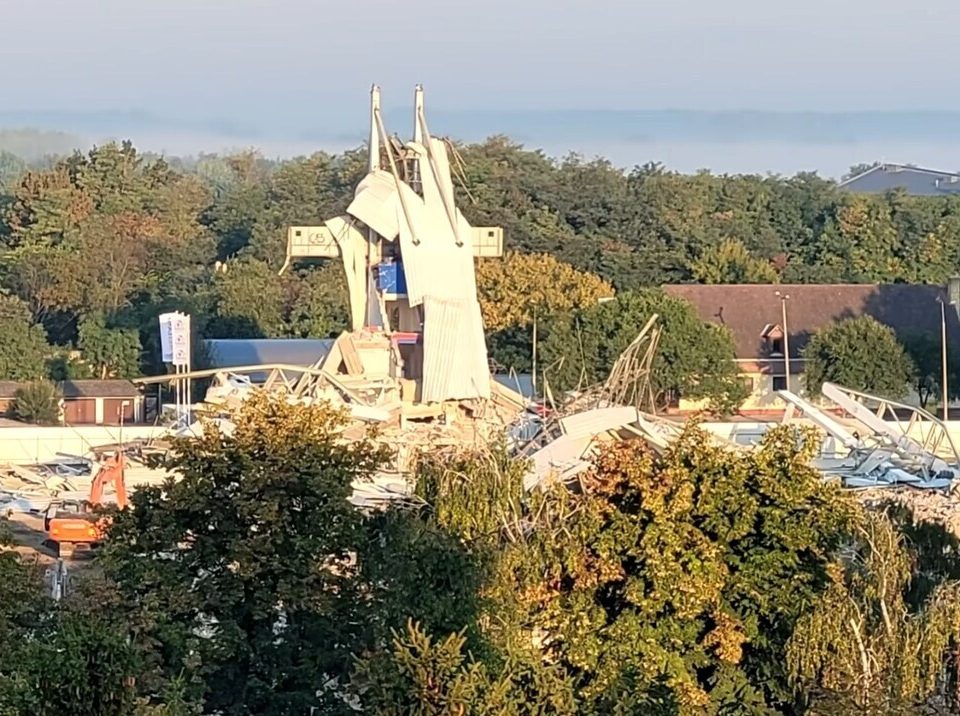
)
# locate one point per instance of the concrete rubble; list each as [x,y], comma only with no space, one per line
[413,370]
[31,488]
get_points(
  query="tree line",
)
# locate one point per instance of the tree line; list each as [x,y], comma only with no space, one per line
[699,580]
[93,246]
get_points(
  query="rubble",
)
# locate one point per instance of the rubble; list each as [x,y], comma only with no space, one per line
[871,445]
[31,488]
[414,364]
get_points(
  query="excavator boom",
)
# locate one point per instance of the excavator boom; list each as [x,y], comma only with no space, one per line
[111,472]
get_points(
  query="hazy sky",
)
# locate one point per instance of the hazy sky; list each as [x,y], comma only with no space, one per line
[254,58]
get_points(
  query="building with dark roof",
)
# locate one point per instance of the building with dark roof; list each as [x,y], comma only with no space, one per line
[88,402]
[916,181]
[754,316]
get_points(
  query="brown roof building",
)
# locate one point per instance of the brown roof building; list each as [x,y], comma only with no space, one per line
[88,402]
[754,316]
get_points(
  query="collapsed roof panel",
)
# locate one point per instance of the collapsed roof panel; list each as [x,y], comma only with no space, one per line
[376,203]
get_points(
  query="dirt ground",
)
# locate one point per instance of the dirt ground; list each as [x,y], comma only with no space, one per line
[31,542]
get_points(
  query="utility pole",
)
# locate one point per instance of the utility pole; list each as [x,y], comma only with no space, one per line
[534,353]
[943,357]
[786,337]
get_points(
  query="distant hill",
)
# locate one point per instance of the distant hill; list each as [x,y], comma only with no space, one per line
[35,145]
[728,141]
[693,125]
[524,125]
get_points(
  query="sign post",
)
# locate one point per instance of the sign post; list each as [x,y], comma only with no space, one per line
[175,350]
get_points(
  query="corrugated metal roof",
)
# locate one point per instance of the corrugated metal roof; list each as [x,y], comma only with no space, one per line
[238,352]
[454,353]
[916,181]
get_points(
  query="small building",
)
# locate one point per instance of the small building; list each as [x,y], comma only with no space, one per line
[754,315]
[88,402]
[916,181]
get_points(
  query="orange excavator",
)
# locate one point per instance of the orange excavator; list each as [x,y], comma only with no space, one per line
[74,524]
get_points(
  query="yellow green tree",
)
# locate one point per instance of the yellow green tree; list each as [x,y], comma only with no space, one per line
[731,262]
[518,287]
[864,648]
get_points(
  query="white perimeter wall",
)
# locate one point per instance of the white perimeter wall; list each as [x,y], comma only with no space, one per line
[36,444]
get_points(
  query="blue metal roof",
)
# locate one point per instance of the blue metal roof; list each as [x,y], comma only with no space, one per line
[521,383]
[238,352]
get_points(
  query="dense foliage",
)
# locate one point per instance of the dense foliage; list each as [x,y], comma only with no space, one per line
[694,359]
[93,246]
[858,353]
[37,402]
[696,580]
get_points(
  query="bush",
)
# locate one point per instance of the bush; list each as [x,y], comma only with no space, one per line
[37,403]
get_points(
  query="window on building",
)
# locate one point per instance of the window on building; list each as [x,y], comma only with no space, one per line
[747,382]
[779,382]
[776,346]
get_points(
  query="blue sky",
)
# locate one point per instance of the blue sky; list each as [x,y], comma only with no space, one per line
[256,59]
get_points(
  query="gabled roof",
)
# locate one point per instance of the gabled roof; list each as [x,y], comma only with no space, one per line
[914,180]
[749,310]
[98,389]
[80,389]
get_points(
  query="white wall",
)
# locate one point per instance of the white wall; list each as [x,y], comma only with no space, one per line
[31,444]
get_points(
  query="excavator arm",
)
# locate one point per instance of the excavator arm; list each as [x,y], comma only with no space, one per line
[111,472]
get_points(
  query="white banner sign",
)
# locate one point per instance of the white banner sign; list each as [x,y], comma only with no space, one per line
[166,337]
[175,338]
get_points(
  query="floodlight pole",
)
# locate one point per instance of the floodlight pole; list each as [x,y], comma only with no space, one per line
[786,337]
[943,357]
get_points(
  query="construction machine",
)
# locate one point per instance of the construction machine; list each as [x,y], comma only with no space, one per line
[75,525]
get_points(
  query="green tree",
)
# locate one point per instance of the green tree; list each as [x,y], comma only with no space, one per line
[513,289]
[23,345]
[861,240]
[858,353]
[74,663]
[70,657]
[110,351]
[666,584]
[250,301]
[923,349]
[694,360]
[245,561]
[731,262]
[318,305]
[419,676]
[37,402]
[862,648]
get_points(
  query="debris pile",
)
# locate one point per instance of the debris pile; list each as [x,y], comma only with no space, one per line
[414,363]
[31,488]
[879,443]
